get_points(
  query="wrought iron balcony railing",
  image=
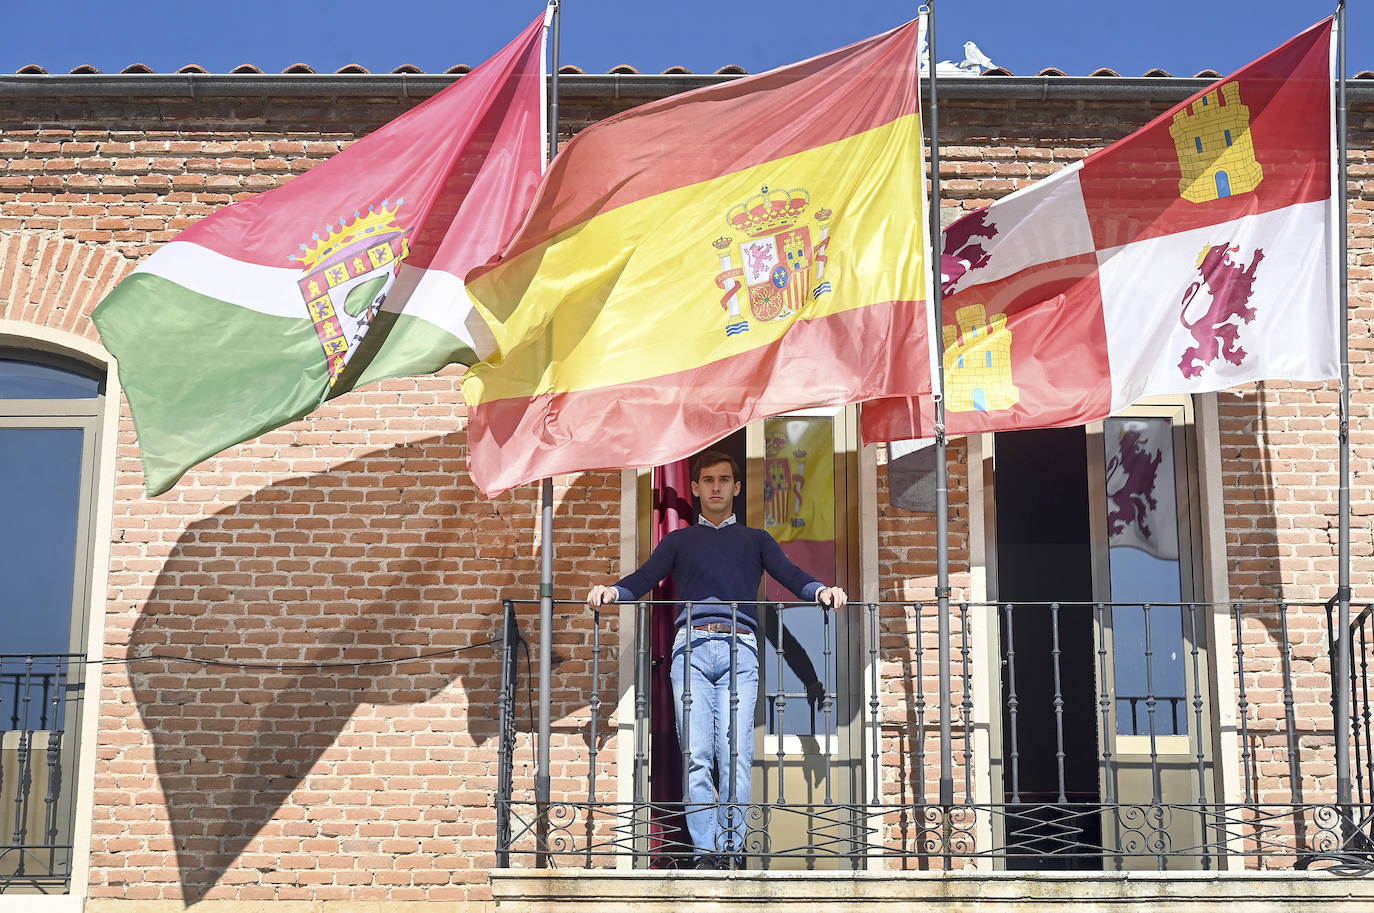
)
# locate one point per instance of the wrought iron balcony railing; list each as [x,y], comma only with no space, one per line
[38,695]
[1085,736]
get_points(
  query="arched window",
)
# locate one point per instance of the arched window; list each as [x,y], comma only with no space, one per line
[50,417]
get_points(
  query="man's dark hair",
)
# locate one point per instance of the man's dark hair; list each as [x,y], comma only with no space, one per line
[711,458]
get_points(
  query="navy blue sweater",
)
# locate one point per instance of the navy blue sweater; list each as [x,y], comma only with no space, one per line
[714,567]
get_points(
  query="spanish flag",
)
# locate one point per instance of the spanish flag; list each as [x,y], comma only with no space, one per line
[708,260]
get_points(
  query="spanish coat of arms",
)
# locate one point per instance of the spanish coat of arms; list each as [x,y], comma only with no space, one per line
[781,263]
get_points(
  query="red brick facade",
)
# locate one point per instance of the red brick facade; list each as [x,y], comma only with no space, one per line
[355,536]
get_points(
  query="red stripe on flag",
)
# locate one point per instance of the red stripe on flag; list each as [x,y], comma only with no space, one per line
[1055,338]
[728,128]
[834,359]
[1057,342]
[1280,105]
[457,170]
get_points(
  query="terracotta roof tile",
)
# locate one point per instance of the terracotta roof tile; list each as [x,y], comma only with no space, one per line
[732,69]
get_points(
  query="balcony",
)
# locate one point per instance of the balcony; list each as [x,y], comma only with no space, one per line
[1217,742]
[37,760]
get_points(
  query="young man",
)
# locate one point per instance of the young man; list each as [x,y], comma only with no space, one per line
[713,564]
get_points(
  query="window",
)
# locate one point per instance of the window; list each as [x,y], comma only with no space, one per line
[51,409]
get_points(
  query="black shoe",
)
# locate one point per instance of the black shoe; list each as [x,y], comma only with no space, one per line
[710,862]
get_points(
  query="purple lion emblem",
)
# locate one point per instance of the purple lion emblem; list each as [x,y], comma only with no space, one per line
[1135,499]
[961,254]
[1231,286]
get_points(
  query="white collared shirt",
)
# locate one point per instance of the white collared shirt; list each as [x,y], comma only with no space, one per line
[723,523]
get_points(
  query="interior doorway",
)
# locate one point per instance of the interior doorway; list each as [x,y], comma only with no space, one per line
[799,483]
[1105,748]
[1049,716]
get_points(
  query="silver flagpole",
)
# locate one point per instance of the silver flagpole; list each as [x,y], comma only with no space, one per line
[541,777]
[1341,723]
[941,465]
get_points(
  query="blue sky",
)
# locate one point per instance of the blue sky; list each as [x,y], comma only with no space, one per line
[1181,37]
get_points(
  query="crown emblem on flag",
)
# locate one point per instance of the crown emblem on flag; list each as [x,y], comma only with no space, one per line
[768,211]
[374,223]
[347,275]
[781,263]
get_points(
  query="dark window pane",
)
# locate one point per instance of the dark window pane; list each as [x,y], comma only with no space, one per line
[38,380]
[40,481]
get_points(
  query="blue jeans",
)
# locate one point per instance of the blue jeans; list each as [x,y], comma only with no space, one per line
[704,730]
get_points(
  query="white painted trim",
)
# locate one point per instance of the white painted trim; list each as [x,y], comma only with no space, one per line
[1165,746]
[43,903]
[985,671]
[24,335]
[812,746]
[625,669]
[30,336]
[1216,590]
[869,592]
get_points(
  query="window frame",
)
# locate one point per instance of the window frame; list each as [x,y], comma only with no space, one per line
[100,415]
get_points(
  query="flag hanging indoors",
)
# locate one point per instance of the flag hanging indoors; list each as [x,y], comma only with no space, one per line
[697,263]
[1195,254]
[348,274]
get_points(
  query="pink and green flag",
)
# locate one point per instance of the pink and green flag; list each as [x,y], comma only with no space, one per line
[351,273]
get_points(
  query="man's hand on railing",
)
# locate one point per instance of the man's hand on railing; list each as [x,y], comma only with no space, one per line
[832,597]
[602,595]
[815,693]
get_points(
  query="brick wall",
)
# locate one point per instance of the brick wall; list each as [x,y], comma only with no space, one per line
[303,700]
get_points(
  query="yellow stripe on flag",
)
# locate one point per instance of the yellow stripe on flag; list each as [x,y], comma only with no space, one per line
[615,300]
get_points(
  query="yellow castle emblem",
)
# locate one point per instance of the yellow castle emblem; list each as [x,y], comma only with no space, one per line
[978,365]
[1215,151]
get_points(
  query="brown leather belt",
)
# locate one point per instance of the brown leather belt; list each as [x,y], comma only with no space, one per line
[717,627]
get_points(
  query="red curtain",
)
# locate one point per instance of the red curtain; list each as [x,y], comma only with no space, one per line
[672,509]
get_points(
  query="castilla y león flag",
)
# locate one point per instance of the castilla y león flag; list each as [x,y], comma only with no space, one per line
[696,263]
[1195,254]
[350,273]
